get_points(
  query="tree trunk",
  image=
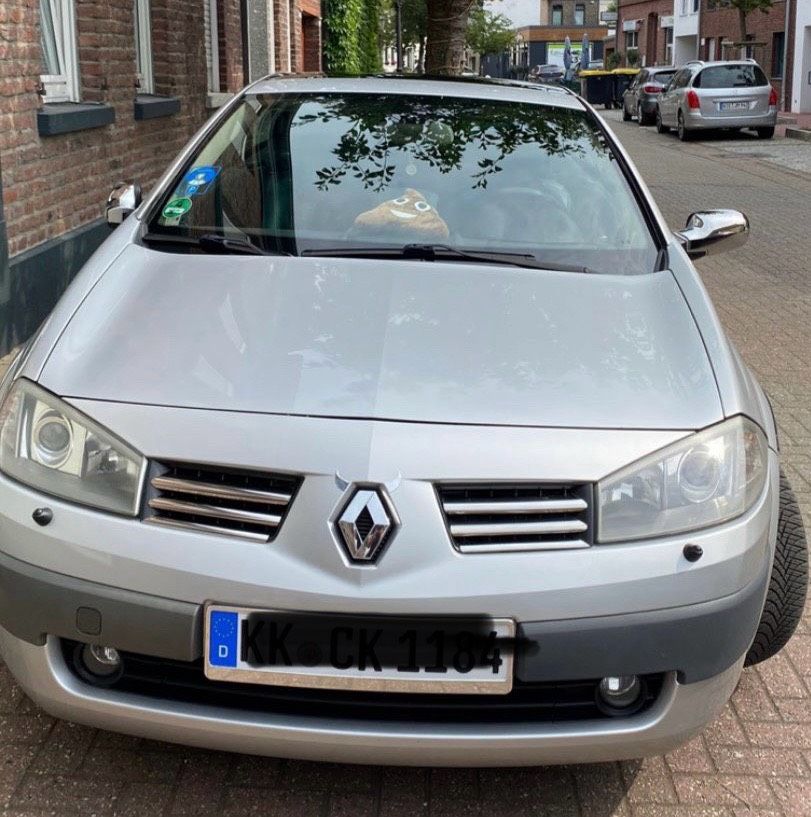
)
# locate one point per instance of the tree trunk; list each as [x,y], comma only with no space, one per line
[446,29]
[742,19]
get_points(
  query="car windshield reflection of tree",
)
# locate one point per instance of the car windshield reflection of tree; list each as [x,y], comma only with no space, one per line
[380,132]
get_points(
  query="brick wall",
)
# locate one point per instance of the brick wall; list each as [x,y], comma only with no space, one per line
[229,17]
[311,36]
[651,36]
[281,11]
[55,184]
[296,43]
[718,22]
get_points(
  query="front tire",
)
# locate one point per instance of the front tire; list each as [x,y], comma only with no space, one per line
[642,118]
[660,126]
[789,582]
[765,133]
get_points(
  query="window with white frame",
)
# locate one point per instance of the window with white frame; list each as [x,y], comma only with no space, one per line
[580,14]
[557,15]
[60,58]
[631,39]
[143,47]
[669,46]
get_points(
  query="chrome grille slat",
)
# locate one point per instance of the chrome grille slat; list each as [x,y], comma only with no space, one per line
[516,517]
[506,507]
[198,527]
[524,547]
[216,511]
[188,486]
[244,504]
[518,528]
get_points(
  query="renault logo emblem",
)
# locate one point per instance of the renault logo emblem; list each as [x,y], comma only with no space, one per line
[366,524]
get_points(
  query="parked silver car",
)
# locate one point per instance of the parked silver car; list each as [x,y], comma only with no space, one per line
[363,440]
[732,94]
[642,95]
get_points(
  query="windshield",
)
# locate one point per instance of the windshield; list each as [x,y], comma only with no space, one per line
[299,173]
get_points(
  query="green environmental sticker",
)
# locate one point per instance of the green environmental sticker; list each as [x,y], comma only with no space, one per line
[177,208]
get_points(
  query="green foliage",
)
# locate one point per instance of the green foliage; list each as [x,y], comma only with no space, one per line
[489,32]
[369,36]
[343,20]
[415,21]
[612,61]
[632,57]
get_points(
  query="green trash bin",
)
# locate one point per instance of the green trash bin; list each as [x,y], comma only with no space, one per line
[597,87]
[622,78]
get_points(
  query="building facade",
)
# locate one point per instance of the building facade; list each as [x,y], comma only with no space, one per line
[645,32]
[766,41]
[92,92]
[570,13]
[686,15]
[798,67]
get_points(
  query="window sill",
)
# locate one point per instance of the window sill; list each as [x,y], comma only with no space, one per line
[151,106]
[215,99]
[56,118]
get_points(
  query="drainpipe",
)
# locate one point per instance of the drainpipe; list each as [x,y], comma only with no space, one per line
[785,106]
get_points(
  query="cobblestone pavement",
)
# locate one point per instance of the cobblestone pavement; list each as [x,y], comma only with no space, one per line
[755,761]
[792,154]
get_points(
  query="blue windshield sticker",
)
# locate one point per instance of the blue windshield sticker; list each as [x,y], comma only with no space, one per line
[198,180]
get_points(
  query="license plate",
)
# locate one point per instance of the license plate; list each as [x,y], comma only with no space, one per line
[386,654]
[734,106]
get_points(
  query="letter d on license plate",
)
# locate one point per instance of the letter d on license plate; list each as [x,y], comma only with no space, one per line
[383,654]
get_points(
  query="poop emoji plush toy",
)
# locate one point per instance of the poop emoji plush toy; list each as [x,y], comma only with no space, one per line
[409,217]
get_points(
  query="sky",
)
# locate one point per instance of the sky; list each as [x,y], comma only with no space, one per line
[521,12]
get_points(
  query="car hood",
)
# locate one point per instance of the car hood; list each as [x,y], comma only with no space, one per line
[390,340]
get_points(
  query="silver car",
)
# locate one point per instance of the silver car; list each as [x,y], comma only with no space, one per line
[362,439]
[642,95]
[731,94]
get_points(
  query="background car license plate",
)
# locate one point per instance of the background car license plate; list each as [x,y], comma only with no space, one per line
[385,654]
[734,106]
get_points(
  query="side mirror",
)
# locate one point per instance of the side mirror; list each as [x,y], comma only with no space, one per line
[124,200]
[712,231]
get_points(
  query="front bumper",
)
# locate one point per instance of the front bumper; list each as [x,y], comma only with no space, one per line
[680,711]
[698,641]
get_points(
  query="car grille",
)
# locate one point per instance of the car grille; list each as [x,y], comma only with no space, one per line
[497,518]
[185,682]
[245,504]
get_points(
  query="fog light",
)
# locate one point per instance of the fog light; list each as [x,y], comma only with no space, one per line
[99,664]
[620,692]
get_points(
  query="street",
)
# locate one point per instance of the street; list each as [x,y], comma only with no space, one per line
[754,760]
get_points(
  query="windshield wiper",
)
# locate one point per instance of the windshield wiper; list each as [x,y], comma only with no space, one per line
[210,242]
[445,252]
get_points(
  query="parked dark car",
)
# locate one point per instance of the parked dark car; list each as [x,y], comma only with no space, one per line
[641,96]
[546,73]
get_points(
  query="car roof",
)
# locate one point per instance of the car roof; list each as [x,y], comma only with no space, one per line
[460,87]
[708,63]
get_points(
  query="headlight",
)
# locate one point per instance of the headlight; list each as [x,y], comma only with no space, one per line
[705,479]
[47,444]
